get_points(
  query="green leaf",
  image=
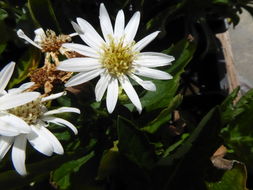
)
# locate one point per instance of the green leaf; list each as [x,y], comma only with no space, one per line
[220,1]
[166,90]
[234,179]
[164,116]
[61,176]
[134,144]
[3,14]
[43,14]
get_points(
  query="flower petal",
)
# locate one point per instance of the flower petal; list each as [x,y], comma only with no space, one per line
[148,85]
[82,49]
[105,23]
[61,122]
[152,73]
[119,25]
[39,142]
[153,59]
[112,94]
[18,154]
[39,35]
[62,110]
[131,93]
[22,35]
[5,144]
[101,86]
[83,77]
[145,41]
[79,64]
[20,89]
[132,27]
[53,96]
[13,100]
[6,74]
[11,125]
[90,36]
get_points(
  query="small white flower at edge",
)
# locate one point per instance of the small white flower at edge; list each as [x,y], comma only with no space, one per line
[114,58]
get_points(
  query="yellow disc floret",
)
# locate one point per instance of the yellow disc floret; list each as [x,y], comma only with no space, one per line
[29,112]
[118,58]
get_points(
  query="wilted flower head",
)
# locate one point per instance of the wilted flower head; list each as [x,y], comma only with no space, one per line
[114,58]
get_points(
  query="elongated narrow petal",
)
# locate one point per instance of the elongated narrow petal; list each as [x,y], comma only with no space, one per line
[145,41]
[153,73]
[10,101]
[53,96]
[112,94]
[62,110]
[132,27]
[105,23]
[57,147]
[119,25]
[20,89]
[79,64]
[39,35]
[61,122]
[92,37]
[82,49]
[101,86]
[153,59]
[131,93]
[83,77]
[18,154]
[6,74]
[39,142]
[11,125]
[22,35]
[5,144]
[148,85]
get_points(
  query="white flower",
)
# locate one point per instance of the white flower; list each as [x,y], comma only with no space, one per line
[46,41]
[36,116]
[115,58]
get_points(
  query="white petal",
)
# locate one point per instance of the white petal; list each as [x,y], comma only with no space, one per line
[101,86]
[62,110]
[79,64]
[112,94]
[82,49]
[119,25]
[132,27]
[105,23]
[22,35]
[11,125]
[39,35]
[39,142]
[5,75]
[61,122]
[131,93]
[148,85]
[20,89]
[5,144]
[53,96]
[18,154]
[14,100]
[153,59]
[145,41]
[91,37]
[152,73]
[83,77]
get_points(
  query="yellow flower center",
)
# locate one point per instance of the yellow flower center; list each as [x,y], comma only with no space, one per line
[118,58]
[29,112]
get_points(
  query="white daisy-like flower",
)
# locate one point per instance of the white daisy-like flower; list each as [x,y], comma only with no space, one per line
[36,116]
[46,41]
[116,57]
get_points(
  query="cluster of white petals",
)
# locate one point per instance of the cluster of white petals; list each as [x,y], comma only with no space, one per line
[115,58]
[15,130]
